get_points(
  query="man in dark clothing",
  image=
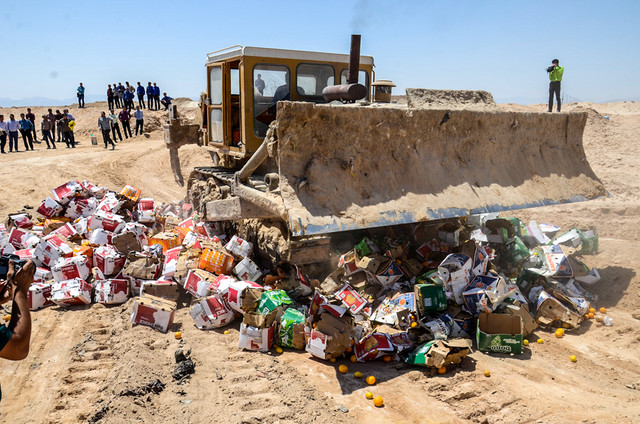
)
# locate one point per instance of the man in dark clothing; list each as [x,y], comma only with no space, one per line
[555,72]
[31,117]
[52,118]
[166,101]
[66,132]
[26,127]
[156,96]
[57,119]
[125,117]
[110,95]
[140,91]
[80,96]
[120,95]
[150,97]
[104,123]
[47,126]
[3,134]
[128,99]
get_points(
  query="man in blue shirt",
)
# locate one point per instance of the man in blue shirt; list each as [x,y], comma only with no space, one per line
[80,96]
[150,96]
[120,95]
[16,336]
[166,101]
[128,99]
[156,96]
[26,127]
[139,120]
[140,91]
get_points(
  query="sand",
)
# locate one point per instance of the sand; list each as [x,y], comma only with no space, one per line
[82,359]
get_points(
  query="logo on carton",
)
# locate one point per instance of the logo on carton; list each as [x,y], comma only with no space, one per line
[496,344]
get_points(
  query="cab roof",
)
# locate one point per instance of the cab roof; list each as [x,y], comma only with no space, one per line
[240,51]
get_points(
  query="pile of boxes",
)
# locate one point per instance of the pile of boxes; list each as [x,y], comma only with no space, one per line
[422,295]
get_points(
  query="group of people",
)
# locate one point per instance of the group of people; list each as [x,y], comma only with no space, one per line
[123,96]
[64,123]
[110,125]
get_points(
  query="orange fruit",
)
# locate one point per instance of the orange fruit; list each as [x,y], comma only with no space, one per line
[226,331]
[368,395]
[413,317]
[487,373]
[343,369]
[442,370]
[377,401]
[177,335]
[332,360]
[357,374]
[525,342]
[591,315]
[353,358]
[371,380]
[559,333]
[279,349]
[603,310]
[414,324]
[7,317]
[592,310]
[387,358]
[349,350]
[573,358]
[540,341]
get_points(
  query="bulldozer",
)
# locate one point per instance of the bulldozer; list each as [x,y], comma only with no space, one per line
[302,151]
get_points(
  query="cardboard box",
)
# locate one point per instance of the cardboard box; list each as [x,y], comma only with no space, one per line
[161,288]
[243,296]
[529,324]
[39,296]
[142,266]
[107,221]
[135,284]
[71,292]
[49,208]
[239,247]
[154,312]
[168,240]
[130,193]
[21,220]
[271,300]
[351,299]
[216,261]
[372,263]
[486,292]
[17,237]
[500,333]
[171,261]
[110,203]
[455,272]
[42,275]
[389,273]
[67,231]
[556,264]
[198,283]
[550,311]
[146,214]
[81,208]
[440,353]
[52,248]
[108,260]
[291,333]
[320,304]
[372,347]
[257,331]
[70,268]
[64,193]
[247,270]
[331,337]
[430,298]
[111,292]
[126,242]
[211,312]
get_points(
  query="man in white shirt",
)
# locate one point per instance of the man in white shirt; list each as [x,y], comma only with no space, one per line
[139,120]
[12,128]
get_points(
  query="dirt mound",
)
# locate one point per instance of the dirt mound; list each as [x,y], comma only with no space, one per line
[449,99]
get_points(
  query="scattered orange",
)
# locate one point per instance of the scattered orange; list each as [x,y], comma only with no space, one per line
[377,401]
[177,335]
[591,315]
[540,341]
[357,374]
[414,324]
[593,310]
[349,350]
[442,370]
[343,369]
[559,333]
[353,358]
[573,358]
[387,358]
[603,310]
[7,317]
[226,331]
[487,373]
[525,342]
[368,395]
[413,317]
[371,380]
[279,349]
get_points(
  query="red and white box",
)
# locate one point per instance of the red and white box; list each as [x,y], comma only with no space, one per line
[70,268]
[68,230]
[216,261]
[351,299]
[90,189]
[71,292]
[156,312]
[107,221]
[17,236]
[171,261]
[131,193]
[66,192]
[166,289]
[372,347]
[82,226]
[108,260]
[139,230]
[199,283]
[21,220]
[26,254]
[146,214]
[100,237]
[260,339]
[81,208]
[111,292]
[135,284]
[52,248]
[239,247]
[42,275]
[49,208]
[211,312]
[110,203]
[247,270]
[235,291]
[39,296]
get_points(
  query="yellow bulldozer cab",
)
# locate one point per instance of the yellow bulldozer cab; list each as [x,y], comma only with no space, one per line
[244,85]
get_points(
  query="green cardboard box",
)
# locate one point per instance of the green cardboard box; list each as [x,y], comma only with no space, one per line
[430,298]
[500,333]
[270,300]
[291,332]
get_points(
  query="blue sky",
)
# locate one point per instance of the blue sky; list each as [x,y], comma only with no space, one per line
[500,46]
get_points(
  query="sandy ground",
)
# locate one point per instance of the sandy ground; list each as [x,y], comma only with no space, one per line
[83,361]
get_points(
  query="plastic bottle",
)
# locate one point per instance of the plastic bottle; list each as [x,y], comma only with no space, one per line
[607,320]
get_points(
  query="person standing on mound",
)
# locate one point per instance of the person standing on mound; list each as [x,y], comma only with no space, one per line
[555,72]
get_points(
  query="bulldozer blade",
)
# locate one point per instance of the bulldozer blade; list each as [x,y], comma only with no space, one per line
[349,167]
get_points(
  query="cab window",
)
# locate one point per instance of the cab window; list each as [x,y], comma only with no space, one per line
[311,79]
[271,83]
[215,85]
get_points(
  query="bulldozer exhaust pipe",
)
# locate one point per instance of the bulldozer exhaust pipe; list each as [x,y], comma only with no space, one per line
[351,91]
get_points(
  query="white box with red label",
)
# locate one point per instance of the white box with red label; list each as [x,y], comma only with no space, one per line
[81,208]
[110,203]
[39,296]
[153,311]
[260,339]
[108,260]
[239,247]
[70,268]
[66,192]
[17,236]
[235,291]
[211,312]
[52,248]
[171,261]
[71,292]
[42,275]
[146,214]
[100,237]
[107,221]
[49,208]
[247,270]
[68,230]
[111,292]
